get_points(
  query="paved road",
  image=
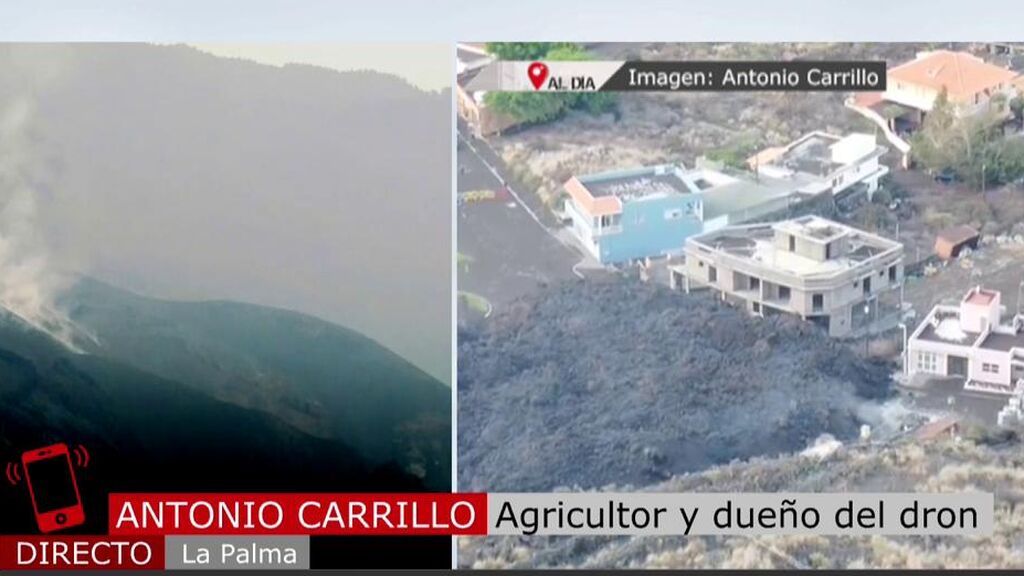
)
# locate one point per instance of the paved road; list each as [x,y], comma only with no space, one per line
[510,246]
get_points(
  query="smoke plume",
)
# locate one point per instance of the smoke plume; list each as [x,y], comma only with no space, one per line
[29,283]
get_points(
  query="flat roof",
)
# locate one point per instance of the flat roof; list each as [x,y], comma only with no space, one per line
[812,155]
[814,228]
[981,297]
[746,195]
[947,330]
[606,192]
[756,243]
[818,154]
[1003,342]
[629,186]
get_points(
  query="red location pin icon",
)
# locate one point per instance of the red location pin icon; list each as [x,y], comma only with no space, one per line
[538,73]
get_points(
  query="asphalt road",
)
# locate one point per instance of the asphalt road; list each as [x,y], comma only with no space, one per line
[507,243]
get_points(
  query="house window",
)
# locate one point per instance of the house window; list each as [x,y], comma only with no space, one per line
[792,243]
[606,221]
[817,302]
[828,251]
[990,368]
[712,274]
[892,273]
[755,284]
[757,308]
[784,293]
[927,362]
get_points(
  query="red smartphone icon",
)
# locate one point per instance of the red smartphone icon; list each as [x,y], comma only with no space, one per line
[53,488]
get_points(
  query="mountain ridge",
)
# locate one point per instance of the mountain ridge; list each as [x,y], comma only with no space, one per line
[146,433]
[327,380]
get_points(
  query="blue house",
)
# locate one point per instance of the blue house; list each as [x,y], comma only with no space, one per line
[646,212]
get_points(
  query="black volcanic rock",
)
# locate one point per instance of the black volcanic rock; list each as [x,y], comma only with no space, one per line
[591,383]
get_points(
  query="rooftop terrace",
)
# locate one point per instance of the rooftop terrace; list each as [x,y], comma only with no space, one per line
[817,154]
[653,181]
[756,244]
[815,228]
[812,156]
[638,186]
[946,328]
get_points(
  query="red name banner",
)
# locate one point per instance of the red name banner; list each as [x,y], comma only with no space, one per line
[81,553]
[432,514]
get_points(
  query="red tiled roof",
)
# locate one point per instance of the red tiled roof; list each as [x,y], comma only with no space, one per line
[867,99]
[961,74]
[932,430]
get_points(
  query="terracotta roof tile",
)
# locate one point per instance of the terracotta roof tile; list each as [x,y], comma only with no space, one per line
[961,74]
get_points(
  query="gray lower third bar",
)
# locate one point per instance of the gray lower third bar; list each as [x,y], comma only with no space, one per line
[237,552]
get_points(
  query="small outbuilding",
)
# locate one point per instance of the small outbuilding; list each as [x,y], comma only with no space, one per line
[951,242]
[948,427]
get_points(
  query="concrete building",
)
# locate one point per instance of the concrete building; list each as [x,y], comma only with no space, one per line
[830,163]
[817,269]
[626,215]
[646,212]
[974,340]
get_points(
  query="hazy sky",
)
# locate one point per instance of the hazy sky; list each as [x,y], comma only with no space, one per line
[178,174]
[425,65]
[449,20]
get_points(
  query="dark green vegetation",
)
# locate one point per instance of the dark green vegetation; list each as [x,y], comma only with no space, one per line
[974,147]
[321,378]
[734,153]
[1017,109]
[536,107]
[591,383]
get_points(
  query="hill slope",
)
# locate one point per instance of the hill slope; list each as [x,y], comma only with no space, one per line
[903,465]
[319,377]
[146,433]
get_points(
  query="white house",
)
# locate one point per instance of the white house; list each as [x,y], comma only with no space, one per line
[830,163]
[971,341]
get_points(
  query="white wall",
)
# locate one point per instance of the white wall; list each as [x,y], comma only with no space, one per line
[1001,360]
